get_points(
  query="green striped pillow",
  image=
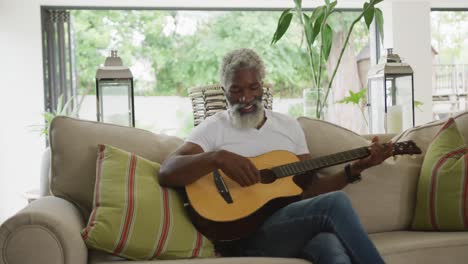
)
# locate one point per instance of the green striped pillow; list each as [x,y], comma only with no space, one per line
[134,217]
[442,197]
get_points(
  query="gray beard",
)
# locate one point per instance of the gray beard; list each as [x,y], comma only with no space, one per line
[247,120]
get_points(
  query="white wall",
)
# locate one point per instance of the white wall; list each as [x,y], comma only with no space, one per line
[21,101]
[21,83]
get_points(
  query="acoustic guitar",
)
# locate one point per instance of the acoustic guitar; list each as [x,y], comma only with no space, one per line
[223,210]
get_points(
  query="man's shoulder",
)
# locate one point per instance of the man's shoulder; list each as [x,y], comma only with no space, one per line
[208,127]
[280,117]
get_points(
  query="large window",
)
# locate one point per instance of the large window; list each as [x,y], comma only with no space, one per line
[171,51]
[450,60]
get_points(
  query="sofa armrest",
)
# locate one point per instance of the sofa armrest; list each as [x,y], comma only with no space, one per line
[45,231]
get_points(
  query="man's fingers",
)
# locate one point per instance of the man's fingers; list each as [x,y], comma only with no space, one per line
[255,173]
[240,177]
[251,173]
[390,147]
[243,171]
[247,175]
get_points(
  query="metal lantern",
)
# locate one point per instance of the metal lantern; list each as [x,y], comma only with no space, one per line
[390,95]
[114,92]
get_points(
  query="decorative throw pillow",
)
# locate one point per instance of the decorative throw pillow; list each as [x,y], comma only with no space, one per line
[134,217]
[442,196]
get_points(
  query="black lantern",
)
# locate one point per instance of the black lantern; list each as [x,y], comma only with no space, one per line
[114,92]
[390,95]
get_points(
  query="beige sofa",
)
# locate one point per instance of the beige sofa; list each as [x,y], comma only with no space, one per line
[48,229]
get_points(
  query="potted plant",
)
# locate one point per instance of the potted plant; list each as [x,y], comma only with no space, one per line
[318,34]
[358,99]
[63,109]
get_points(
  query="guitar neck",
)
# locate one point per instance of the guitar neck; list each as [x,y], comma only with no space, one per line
[319,163]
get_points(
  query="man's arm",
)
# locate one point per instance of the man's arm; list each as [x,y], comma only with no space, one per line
[314,185]
[190,162]
[186,165]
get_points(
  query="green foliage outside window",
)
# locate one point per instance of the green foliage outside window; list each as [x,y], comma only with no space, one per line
[172,61]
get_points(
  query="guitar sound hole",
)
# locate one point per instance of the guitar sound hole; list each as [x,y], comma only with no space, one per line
[267,176]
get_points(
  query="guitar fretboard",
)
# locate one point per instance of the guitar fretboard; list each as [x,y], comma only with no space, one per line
[321,162]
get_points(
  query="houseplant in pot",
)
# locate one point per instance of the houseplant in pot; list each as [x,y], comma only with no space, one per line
[318,35]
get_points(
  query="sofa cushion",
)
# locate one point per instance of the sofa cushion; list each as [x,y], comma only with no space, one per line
[422,247]
[442,188]
[134,217]
[99,257]
[73,144]
[377,199]
[411,165]
[325,138]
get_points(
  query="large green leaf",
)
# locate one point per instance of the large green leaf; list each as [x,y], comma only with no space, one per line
[369,15]
[283,25]
[379,20]
[317,25]
[308,29]
[332,6]
[316,13]
[327,35]
[376,2]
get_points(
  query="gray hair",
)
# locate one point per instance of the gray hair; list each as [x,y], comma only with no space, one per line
[240,59]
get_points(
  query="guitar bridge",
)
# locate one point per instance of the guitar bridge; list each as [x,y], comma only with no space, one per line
[221,186]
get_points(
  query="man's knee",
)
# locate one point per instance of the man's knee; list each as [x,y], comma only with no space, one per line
[326,248]
[328,240]
[338,199]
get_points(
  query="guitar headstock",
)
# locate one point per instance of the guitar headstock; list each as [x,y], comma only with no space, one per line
[406,147]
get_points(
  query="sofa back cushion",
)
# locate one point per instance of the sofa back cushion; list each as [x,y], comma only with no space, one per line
[385,198]
[74,145]
[381,198]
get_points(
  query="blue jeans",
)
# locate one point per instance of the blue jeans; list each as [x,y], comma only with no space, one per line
[322,229]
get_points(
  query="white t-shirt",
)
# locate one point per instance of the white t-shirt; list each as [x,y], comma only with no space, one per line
[279,132]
